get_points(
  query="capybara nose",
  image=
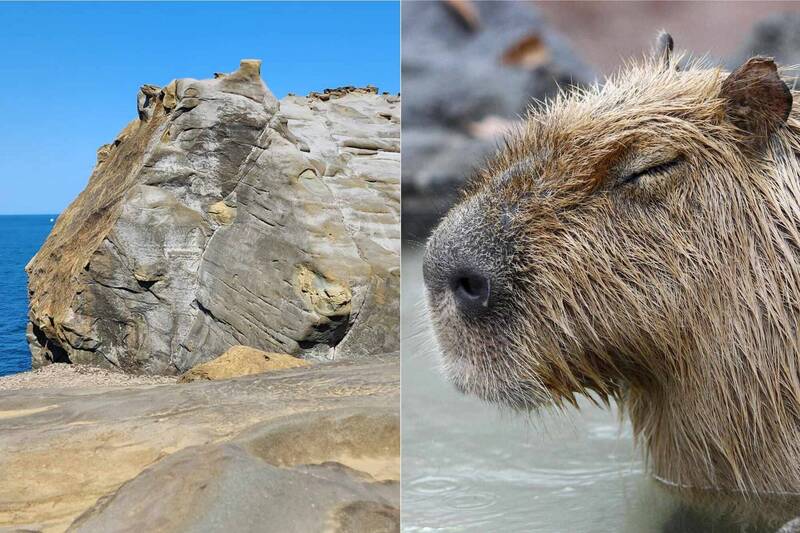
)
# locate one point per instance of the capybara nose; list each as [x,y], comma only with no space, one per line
[471,291]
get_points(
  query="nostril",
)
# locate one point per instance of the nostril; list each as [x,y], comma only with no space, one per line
[473,287]
[471,291]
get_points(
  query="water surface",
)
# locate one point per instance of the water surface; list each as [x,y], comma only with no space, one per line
[21,236]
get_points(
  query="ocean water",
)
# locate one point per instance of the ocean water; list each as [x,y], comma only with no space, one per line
[21,236]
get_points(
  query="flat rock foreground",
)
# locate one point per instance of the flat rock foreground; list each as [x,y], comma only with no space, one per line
[307,449]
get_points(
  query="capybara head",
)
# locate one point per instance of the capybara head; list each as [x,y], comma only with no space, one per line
[639,241]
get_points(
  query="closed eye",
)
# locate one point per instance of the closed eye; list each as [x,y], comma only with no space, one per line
[654,170]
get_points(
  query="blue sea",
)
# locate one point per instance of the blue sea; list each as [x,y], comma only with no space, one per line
[21,236]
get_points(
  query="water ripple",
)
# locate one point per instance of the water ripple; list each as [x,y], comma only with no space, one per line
[434,484]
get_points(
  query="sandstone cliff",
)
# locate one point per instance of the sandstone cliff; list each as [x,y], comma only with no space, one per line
[222,216]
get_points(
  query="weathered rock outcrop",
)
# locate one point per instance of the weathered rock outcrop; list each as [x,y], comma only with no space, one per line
[467,68]
[306,449]
[221,216]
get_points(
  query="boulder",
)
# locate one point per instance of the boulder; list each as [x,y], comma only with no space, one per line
[241,361]
[466,64]
[221,217]
[222,487]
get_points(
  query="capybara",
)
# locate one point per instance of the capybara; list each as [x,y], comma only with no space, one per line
[639,241]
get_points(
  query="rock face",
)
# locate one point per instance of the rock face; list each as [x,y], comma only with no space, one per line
[467,67]
[305,449]
[241,361]
[222,216]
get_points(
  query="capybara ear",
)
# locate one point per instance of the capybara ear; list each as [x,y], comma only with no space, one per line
[756,99]
[662,49]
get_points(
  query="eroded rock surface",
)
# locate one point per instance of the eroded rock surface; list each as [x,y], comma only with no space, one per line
[221,216]
[306,449]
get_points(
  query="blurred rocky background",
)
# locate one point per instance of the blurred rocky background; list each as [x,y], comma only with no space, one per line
[470,69]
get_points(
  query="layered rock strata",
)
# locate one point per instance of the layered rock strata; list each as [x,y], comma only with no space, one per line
[220,217]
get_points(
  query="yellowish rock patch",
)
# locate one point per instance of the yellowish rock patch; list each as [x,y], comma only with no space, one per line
[222,212]
[241,361]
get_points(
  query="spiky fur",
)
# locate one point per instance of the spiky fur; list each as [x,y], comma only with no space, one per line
[677,296]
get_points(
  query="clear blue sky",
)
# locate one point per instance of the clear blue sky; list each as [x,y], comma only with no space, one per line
[69,72]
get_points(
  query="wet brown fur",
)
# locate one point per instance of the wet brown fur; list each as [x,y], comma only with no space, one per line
[677,296]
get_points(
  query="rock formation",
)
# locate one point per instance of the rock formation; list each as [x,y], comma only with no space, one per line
[467,68]
[306,449]
[221,216]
